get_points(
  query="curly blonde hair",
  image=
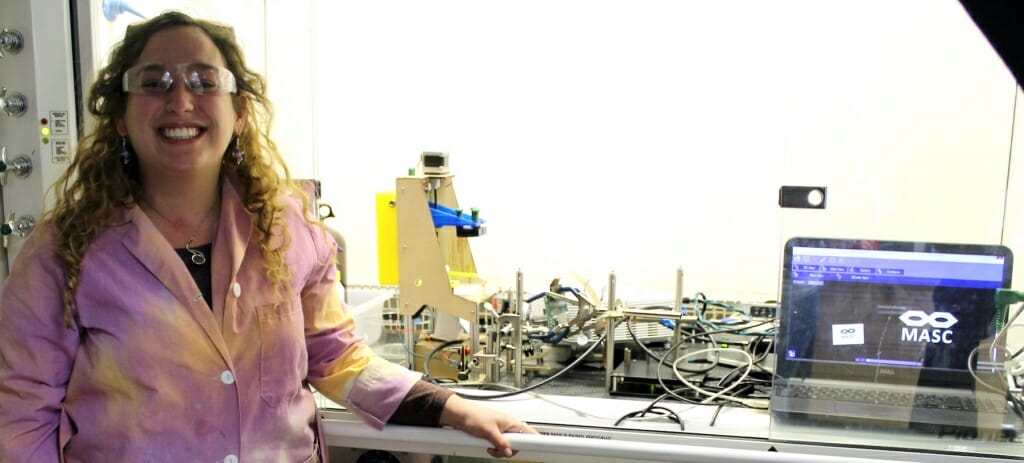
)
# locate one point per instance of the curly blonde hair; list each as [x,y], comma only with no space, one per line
[97,184]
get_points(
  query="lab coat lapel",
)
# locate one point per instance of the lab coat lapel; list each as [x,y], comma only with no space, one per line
[146,243]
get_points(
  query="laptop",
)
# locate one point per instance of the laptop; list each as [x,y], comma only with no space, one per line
[891,332]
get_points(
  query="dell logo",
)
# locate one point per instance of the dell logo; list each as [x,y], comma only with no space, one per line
[915,331]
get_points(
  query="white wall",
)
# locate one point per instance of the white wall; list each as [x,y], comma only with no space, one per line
[645,135]
[909,111]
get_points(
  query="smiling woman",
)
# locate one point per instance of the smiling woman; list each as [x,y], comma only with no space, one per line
[179,300]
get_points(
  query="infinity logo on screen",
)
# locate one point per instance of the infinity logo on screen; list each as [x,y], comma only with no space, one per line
[917,318]
[914,331]
[848,334]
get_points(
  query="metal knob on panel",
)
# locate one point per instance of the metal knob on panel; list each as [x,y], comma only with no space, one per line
[10,42]
[15,105]
[19,227]
[20,166]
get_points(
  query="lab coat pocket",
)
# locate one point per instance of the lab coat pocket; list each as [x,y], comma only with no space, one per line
[282,351]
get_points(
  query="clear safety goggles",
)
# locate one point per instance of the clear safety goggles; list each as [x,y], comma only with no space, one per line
[157,79]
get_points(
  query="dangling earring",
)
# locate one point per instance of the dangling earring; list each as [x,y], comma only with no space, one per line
[126,155]
[237,154]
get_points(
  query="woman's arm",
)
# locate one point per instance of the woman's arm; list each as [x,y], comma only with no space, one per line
[37,352]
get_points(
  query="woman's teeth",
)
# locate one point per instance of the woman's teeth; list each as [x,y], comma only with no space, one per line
[180,133]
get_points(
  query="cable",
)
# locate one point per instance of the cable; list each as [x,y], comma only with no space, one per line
[659,412]
[721,393]
[410,352]
[650,407]
[661,379]
[674,393]
[643,347]
[653,406]
[426,361]
[1005,297]
[970,369]
[551,337]
[1017,354]
[554,376]
[764,355]
[657,357]
[714,417]
[712,364]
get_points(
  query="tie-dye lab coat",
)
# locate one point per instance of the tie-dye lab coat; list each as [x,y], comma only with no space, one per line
[150,373]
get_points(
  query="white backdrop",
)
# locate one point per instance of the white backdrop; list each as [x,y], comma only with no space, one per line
[643,136]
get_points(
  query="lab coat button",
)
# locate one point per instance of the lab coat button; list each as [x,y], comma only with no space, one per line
[227,377]
[230,459]
[236,289]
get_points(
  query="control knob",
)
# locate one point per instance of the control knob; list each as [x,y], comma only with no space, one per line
[19,227]
[20,166]
[10,42]
[13,106]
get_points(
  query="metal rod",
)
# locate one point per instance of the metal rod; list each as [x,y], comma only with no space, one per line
[517,331]
[493,350]
[678,308]
[609,341]
[410,341]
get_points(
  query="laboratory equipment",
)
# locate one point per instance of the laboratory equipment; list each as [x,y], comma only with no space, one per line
[39,119]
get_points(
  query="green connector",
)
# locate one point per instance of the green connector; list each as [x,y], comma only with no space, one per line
[1005,297]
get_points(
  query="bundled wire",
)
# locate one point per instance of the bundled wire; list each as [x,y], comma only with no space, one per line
[654,412]
[721,393]
[579,359]
[739,385]
[683,340]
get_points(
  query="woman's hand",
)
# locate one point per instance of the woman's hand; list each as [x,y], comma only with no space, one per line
[483,422]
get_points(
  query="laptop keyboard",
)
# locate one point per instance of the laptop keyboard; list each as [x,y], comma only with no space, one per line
[891,398]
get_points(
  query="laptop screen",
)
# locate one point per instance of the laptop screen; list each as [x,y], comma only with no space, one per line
[887,311]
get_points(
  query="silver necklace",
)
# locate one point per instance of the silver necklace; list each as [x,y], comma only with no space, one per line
[198,257]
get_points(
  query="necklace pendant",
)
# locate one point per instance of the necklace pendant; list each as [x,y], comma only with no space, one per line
[197,257]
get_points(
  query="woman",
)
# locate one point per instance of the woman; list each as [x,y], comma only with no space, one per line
[178,299]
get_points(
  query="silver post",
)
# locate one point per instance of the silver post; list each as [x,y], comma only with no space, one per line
[609,340]
[517,331]
[410,341]
[677,308]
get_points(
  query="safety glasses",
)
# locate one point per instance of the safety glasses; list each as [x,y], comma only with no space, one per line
[157,79]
